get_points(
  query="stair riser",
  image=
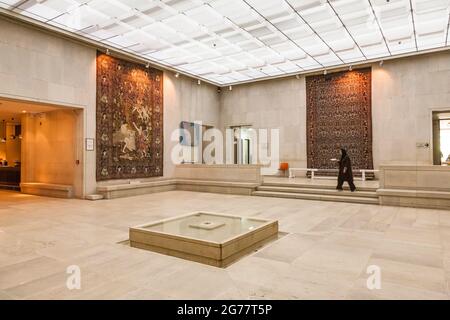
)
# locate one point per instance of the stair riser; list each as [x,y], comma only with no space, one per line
[328,192]
[307,197]
[308,186]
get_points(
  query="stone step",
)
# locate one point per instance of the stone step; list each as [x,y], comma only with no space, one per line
[314,186]
[319,197]
[94,197]
[324,191]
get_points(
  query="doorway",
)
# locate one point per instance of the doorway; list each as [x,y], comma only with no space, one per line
[441,138]
[243,143]
[41,146]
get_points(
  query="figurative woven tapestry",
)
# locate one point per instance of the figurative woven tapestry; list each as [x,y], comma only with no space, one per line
[129,120]
[339,108]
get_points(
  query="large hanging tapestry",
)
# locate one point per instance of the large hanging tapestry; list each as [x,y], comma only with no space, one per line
[129,120]
[339,116]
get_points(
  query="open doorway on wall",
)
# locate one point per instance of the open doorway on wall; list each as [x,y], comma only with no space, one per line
[243,144]
[41,147]
[441,138]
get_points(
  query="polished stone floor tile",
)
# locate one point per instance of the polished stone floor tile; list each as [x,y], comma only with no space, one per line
[323,252]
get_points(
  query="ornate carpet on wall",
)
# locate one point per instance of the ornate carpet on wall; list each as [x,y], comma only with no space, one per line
[129,120]
[339,116]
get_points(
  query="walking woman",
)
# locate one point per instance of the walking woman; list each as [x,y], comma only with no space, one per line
[345,171]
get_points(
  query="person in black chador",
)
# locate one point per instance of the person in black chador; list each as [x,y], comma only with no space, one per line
[345,171]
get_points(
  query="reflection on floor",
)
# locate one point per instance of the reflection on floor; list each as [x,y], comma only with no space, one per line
[325,256]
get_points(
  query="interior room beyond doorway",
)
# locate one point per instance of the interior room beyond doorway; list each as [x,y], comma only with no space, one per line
[41,147]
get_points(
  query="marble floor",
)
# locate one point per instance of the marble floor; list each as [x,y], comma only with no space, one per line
[325,254]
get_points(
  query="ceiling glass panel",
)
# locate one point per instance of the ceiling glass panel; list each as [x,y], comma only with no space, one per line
[228,41]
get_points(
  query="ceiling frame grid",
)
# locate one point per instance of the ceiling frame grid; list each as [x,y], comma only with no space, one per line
[234,41]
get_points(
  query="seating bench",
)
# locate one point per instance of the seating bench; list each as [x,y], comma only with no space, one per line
[414,198]
[47,189]
[113,191]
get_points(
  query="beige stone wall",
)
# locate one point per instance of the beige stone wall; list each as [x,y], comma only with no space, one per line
[185,100]
[40,67]
[270,105]
[37,66]
[404,93]
[46,68]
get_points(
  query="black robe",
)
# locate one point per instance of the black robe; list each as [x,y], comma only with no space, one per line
[345,169]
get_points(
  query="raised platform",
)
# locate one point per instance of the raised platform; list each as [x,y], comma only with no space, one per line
[321,190]
[47,189]
[401,185]
[228,179]
[134,189]
[123,190]
[409,185]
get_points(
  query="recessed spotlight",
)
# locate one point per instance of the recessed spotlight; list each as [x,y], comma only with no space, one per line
[24,111]
[177,75]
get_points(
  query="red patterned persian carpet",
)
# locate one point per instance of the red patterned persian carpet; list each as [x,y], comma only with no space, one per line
[129,120]
[339,108]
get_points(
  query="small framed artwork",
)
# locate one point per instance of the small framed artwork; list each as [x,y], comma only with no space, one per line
[90,144]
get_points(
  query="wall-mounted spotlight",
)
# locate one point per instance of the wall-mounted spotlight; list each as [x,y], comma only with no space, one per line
[108,52]
[350,68]
[177,75]
[147,65]
[199,82]
[381,63]
[297,76]
[325,72]
[230,88]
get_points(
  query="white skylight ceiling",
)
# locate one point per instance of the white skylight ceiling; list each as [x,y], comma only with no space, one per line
[231,41]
